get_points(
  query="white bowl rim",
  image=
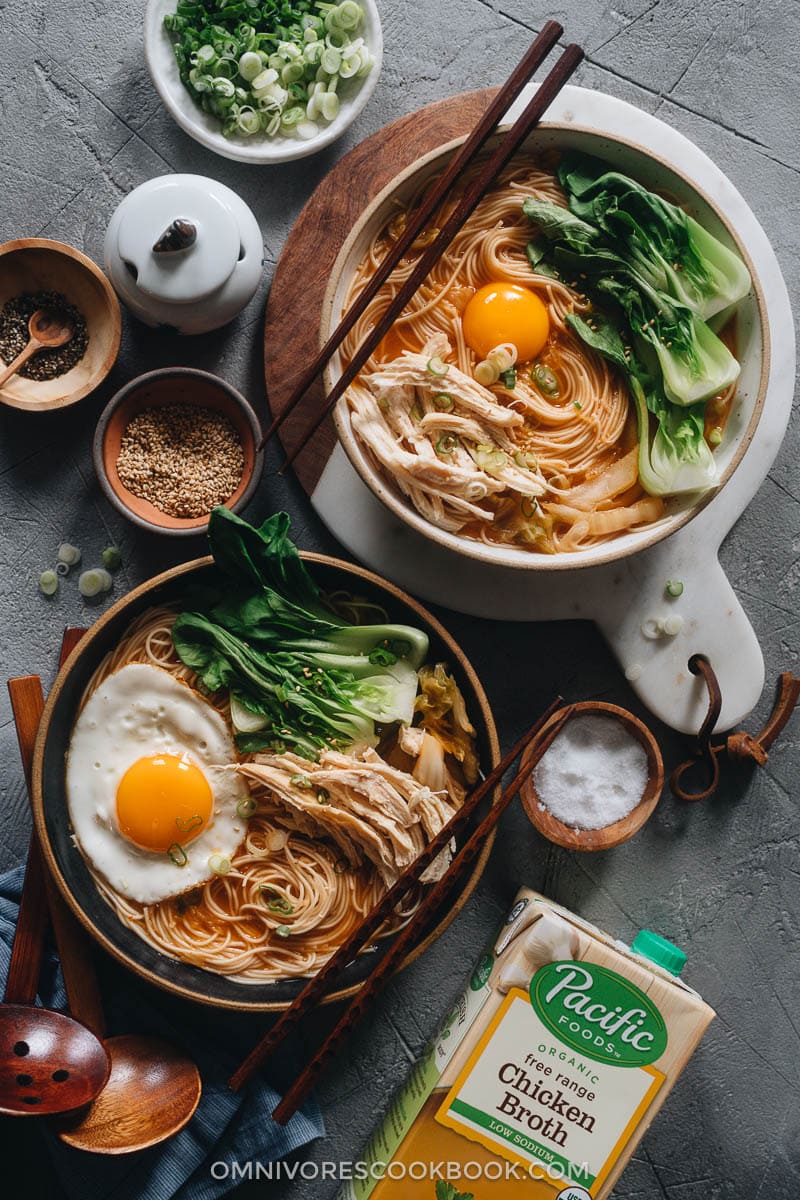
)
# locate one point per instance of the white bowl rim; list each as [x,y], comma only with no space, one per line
[262,153]
[515,557]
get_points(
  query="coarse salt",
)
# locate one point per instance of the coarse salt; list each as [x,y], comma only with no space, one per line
[593,774]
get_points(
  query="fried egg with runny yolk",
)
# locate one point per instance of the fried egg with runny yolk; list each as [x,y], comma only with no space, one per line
[499,313]
[149,799]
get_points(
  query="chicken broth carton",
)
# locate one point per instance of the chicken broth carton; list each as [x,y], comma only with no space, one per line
[546,1074]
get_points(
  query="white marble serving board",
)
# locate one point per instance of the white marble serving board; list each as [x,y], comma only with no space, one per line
[618,596]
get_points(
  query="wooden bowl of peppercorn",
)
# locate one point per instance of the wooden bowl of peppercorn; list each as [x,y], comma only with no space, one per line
[173,444]
[38,273]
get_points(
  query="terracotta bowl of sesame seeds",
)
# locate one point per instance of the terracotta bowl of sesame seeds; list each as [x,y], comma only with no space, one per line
[173,444]
[35,273]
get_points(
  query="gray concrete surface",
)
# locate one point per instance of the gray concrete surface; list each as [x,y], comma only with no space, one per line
[80,124]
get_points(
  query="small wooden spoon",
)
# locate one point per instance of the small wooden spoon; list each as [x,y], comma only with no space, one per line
[48,328]
[619,831]
[49,1063]
[153,1089]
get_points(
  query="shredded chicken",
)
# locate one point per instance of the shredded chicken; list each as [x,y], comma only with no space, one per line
[370,810]
[395,414]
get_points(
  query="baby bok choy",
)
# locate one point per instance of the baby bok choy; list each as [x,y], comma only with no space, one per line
[694,363]
[678,458]
[299,675]
[658,239]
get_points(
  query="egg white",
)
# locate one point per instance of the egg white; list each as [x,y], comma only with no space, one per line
[137,712]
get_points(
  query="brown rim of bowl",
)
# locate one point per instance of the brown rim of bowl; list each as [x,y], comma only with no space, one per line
[110,614]
[114,310]
[190,526]
[465,546]
[605,838]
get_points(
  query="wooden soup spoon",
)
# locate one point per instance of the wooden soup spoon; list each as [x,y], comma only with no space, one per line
[49,1063]
[153,1089]
[49,329]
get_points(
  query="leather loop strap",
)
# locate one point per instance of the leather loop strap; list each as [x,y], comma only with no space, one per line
[740,747]
[705,759]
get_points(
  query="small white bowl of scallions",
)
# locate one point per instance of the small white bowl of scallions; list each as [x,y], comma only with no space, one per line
[263,81]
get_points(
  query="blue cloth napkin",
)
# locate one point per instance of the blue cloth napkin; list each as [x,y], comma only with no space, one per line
[227,1126]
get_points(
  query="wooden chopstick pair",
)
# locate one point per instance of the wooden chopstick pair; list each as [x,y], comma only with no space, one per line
[418,220]
[541,733]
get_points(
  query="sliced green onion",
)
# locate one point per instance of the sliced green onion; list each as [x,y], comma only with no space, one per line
[489,458]
[246,807]
[330,106]
[69,554]
[178,855]
[48,583]
[545,379]
[112,559]
[301,781]
[446,444]
[674,587]
[437,366]
[443,401]
[486,373]
[415,412]
[283,931]
[509,378]
[306,130]
[250,65]
[62,568]
[187,824]
[323,796]
[219,864]
[279,904]
[528,507]
[92,583]
[577,404]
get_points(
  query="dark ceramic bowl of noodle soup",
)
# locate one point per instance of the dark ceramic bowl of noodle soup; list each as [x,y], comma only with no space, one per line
[70,870]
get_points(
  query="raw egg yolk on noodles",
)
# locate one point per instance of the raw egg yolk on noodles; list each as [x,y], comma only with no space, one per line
[162,800]
[506,312]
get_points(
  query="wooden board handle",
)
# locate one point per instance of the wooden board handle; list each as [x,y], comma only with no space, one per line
[74,950]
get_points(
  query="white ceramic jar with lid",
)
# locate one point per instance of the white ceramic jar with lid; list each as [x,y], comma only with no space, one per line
[184,252]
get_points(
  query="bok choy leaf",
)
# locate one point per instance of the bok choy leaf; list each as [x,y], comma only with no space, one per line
[299,675]
[679,459]
[658,239]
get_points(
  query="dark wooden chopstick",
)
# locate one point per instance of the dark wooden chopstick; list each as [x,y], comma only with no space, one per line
[408,936]
[420,218]
[471,197]
[316,987]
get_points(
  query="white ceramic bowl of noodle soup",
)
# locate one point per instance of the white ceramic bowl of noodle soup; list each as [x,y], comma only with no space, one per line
[260,150]
[752,347]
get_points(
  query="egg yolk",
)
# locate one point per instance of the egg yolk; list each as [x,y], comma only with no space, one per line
[505,312]
[162,800]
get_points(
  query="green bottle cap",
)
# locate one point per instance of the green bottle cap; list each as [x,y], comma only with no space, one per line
[665,954]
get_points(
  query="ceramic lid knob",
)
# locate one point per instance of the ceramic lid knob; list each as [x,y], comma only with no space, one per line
[165,259]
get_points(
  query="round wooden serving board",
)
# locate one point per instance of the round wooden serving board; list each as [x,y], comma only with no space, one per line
[294,309]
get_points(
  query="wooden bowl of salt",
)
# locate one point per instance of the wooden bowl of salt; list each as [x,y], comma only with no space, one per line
[598,782]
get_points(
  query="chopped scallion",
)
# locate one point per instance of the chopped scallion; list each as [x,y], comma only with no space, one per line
[69,554]
[48,583]
[177,854]
[246,807]
[674,587]
[437,366]
[219,864]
